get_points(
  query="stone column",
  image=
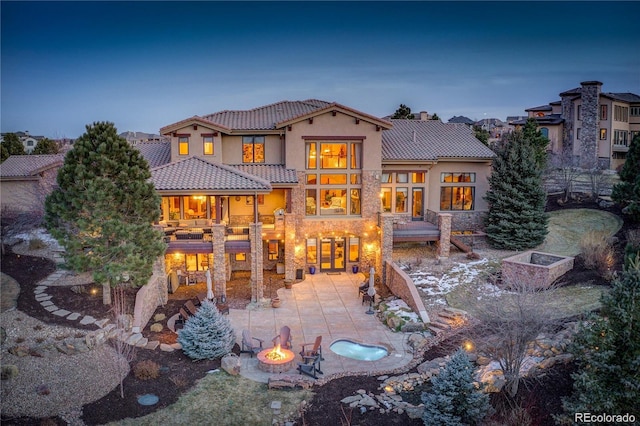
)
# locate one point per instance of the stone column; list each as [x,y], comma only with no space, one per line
[590,124]
[218,274]
[386,242]
[257,271]
[444,225]
[290,261]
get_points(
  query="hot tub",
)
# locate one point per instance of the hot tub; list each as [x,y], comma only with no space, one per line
[356,350]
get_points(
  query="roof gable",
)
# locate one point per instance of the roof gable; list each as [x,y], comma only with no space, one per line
[29,165]
[195,120]
[196,174]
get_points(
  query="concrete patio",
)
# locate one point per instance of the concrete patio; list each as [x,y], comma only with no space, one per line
[327,305]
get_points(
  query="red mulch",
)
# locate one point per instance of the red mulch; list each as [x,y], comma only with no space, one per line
[179,373]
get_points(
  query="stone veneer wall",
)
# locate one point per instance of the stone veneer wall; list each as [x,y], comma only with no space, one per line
[590,124]
[386,249]
[566,104]
[519,268]
[150,296]
[257,272]
[218,270]
[460,221]
[299,227]
[444,225]
[402,286]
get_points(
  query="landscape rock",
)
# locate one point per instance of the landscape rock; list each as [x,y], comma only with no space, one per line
[156,327]
[8,372]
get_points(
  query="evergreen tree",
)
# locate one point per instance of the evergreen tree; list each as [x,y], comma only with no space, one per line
[11,145]
[627,192]
[607,351]
[481,134]
[516,219]
[207,334]
[538,142]
[102,210]
[454,399]
[403,112]
[435,117]
[46,146]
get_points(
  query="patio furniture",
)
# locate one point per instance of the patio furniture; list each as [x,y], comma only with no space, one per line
[190,307]
[362,290]
[248,346]
[284,338]
[183,316]
[310,366]
[201,297]
[312,349]
[366,298]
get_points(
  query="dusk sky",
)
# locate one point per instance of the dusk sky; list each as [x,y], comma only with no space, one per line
[144,65]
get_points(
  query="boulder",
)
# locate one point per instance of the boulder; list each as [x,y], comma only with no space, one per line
[231,364]
[157,327]
[8,372]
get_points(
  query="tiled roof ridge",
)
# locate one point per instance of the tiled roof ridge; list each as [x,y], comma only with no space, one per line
[306,101]
[336,105]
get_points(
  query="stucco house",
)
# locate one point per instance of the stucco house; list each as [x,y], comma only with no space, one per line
[593,126]
[310,185]
[26,180]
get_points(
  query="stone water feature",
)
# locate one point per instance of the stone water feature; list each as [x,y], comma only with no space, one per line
[535,268]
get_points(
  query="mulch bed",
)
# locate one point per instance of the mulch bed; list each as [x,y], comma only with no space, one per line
[541,397]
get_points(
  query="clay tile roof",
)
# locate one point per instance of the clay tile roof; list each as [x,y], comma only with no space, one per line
[156,153]
[196,174]
[270,172]
[265,117]
[431,140]
[29,165]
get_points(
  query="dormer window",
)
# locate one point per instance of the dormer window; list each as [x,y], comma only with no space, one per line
[207,148]
[183,145]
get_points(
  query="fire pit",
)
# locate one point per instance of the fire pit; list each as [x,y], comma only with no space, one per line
[275,360]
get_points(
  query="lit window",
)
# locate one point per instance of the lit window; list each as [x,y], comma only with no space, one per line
[385,196]
[603,134]
[402,194]
[457,198]
[312,252]
[183,145]
[253,149]
[354,249]
[272,249]
[208,145]
[417,177]
[457,177]
[333,155]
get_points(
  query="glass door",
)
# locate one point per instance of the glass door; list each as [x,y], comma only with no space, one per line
[332,254]
[416,207]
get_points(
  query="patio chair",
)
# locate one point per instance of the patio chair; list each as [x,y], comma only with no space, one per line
[368,299]
[364,287]
[201,298]
[248,345]
[312,349]
[284,338]
[183,316]
[190,307]
[310,366]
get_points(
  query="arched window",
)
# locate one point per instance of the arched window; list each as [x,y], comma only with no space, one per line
[545,132]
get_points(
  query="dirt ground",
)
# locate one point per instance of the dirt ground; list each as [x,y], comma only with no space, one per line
[179,373]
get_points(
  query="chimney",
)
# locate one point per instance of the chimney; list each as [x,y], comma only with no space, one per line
[424,116]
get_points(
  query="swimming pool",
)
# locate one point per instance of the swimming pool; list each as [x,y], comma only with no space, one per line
[360,351]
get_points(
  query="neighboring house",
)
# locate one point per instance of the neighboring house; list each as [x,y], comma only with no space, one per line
[461,119]
[29,142]
[26,180]
[141,137]
[310,184]
[595,127]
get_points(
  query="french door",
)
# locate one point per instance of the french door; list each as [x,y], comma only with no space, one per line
[332,254]
[417,211]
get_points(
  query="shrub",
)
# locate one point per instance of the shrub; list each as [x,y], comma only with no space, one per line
[146,370]
[597,252]
[207,334]
[454,399]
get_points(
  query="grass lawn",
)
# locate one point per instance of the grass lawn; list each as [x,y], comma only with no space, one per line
[222,399]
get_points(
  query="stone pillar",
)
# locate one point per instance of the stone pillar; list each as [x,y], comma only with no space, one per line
[257,271]
[590,124]
[569,124]
[218,274]
[386,242]
[444,225]
[290,261]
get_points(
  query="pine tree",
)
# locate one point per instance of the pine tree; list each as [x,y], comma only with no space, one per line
[454,399]
[539,143]
[627,192]
[607,351]
[207,334]
[11,145]
[403,112]
[102,210]
[46,146]
[516,219]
